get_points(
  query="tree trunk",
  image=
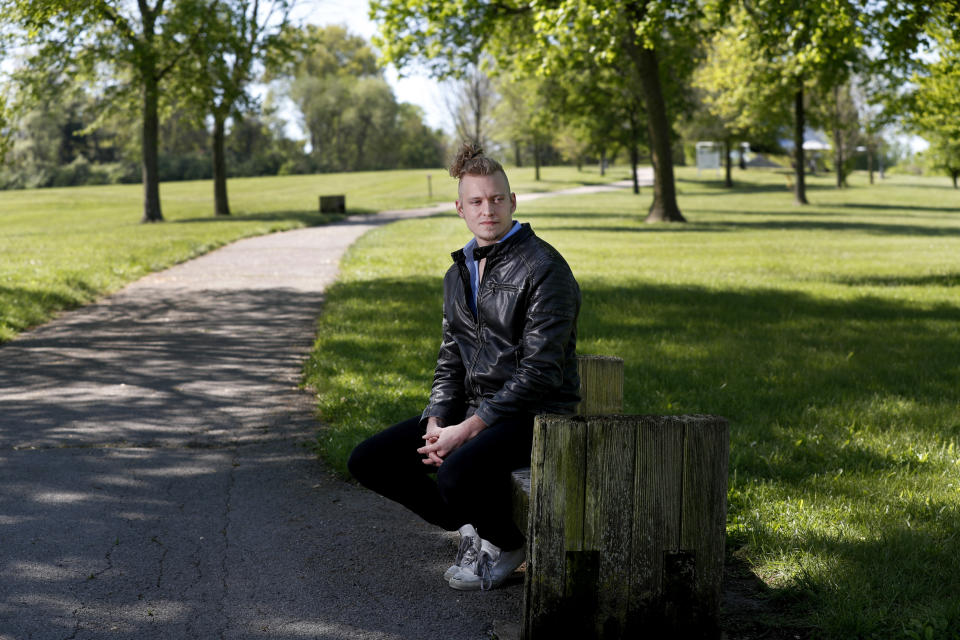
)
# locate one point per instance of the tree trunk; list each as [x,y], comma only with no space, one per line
[151,149]
[838,149]
[536,161]
[603,162]
[633,168]
[516,153]
[728,179]
[955,173]
[870,162]
[664,206]
[221,206]
[800,187]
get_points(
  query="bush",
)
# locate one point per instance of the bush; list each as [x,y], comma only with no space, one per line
[77,173]
[299,165]
[122,172]
[185,166]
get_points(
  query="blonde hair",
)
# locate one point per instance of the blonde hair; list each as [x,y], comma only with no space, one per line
[470,161]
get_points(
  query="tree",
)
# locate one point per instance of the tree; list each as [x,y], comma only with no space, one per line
[525,115]
[814,43]
[216,77]
[840,115]
[5,131]
[868,97]
[547,37]
[606,105]
[739,89]
[348,110]
[470,101]
[132,48]
[419,147]
[322,81]
[935,112]
[51,142]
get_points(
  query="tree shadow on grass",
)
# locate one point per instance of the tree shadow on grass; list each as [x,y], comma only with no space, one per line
[751,610]
[901,578]
[307,218]
[797,376]
[385,332]
[801,378]
[828,225]
[742,187]
[646,228]
[697,225]
[899,207]
[579,183]
[932,280]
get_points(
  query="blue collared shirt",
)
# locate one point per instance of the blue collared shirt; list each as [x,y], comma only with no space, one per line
[474,268]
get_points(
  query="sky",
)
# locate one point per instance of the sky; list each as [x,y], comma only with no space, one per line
[415,88]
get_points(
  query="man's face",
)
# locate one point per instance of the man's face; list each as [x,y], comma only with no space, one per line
[487,206]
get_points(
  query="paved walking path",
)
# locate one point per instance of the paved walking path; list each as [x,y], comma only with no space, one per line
[154,481]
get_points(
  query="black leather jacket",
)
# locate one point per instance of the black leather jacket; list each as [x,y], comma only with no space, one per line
[519,354]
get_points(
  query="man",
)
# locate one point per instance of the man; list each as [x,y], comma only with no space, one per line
[508,353]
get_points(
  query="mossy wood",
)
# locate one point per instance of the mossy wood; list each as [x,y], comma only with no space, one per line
[626,522]
[601,392]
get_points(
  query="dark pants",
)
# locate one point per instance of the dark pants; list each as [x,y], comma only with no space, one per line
[472,485]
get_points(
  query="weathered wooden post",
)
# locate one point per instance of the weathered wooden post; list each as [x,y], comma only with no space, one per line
[601,392]
[626,525]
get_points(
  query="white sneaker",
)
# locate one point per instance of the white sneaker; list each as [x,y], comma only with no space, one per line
[492,568]
[467,553]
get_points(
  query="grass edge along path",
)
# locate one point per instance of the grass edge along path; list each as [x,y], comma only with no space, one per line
[827,335]
[63,248]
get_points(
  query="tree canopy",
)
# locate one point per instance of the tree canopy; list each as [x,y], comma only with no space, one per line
[547,38]
[126,49]
[242,37]
[348,109]
[935,103]
[75,125]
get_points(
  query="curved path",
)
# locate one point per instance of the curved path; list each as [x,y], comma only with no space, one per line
[154,481]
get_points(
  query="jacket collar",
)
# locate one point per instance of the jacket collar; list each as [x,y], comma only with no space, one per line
[501,247]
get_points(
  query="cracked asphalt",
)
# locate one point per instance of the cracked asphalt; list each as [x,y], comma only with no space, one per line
[154,479]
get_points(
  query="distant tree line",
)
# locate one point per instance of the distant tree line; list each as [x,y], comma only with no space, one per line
[331,86]
[114,92]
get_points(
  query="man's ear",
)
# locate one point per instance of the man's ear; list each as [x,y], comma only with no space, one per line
[459,208]
[513,202]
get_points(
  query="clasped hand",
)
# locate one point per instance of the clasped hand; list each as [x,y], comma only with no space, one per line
[442,441]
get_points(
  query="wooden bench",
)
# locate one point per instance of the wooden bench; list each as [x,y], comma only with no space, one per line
[625,519]
[333,204]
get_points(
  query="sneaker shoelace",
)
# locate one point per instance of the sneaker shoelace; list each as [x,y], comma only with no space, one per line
[467,552]
[485,571]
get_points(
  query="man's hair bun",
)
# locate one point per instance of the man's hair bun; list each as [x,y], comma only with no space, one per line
[470,161]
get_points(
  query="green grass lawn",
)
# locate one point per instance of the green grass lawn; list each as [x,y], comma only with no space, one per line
[60,248]
[828,335]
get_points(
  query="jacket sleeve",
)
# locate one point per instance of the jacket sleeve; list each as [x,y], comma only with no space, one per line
[447,396]
[550,325]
